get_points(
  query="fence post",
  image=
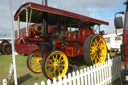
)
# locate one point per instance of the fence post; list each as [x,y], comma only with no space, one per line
[4,81]
[85,76]
[78,77]
[60,81]
[97,74]
[69,78]
[88,73]
[54,81]
[110,71]
[91,73]
[108,56]
[42,83]
[36,84]
[100,73]
[103,73]
[74,79]
[107,71]
[95,70]
[49,82]
[65,80]
[81,75]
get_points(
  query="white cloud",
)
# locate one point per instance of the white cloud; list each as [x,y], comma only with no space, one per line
[84,7]
[101,3]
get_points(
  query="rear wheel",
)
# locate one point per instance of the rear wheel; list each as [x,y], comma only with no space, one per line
[34,61]
[95,50]
[55,64]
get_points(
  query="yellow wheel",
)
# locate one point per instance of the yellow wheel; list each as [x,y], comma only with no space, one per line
[95,49]
[55,64]
[34,61]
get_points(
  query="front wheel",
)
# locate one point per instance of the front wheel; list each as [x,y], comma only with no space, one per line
[34,61]
[95,49]
[55,64]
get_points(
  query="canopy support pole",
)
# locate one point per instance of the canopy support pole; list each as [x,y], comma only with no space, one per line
[27,22]
[18,26]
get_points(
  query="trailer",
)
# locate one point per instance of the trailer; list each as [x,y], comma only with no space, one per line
[71,37]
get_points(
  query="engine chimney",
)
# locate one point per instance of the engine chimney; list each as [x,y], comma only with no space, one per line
[45,17]
[44,2]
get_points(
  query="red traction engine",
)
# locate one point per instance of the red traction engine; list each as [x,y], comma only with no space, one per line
[61,36]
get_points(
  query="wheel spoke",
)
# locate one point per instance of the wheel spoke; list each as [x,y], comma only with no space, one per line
[99,41]
[93,57]
[49,65]
[34,65]
[53,58]
[96,41]
[101,48]
[93,44]
[50,61]
[58,71]
[92,51]
[62,65]
[56,56]
[60,58]
[62,61]
[53,72]
[33,58]
[95,60]
[39,66]
[50,68]
[33,62]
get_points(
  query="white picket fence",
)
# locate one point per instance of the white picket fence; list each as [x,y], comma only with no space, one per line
[101,74]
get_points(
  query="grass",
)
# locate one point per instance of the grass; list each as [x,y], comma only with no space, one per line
[116,82]
[24,75]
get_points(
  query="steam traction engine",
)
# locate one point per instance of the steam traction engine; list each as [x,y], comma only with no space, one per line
[59,35]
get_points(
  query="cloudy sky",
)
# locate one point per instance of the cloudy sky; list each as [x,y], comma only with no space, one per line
[99,9]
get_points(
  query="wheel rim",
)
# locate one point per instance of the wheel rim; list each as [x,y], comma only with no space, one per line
[98,49]
[56,64]
[35,61]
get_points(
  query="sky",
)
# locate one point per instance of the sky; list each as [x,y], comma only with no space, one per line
[98,9]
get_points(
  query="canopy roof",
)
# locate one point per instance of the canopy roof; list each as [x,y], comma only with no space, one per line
[54,15]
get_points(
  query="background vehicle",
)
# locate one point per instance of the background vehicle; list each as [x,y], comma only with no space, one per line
[124,45]
[72,37]
[5,47]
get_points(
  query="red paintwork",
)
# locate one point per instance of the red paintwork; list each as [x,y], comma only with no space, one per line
[84,32]
[56,11]
[125,40]
[21,47]
[125,35]
[73,44]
